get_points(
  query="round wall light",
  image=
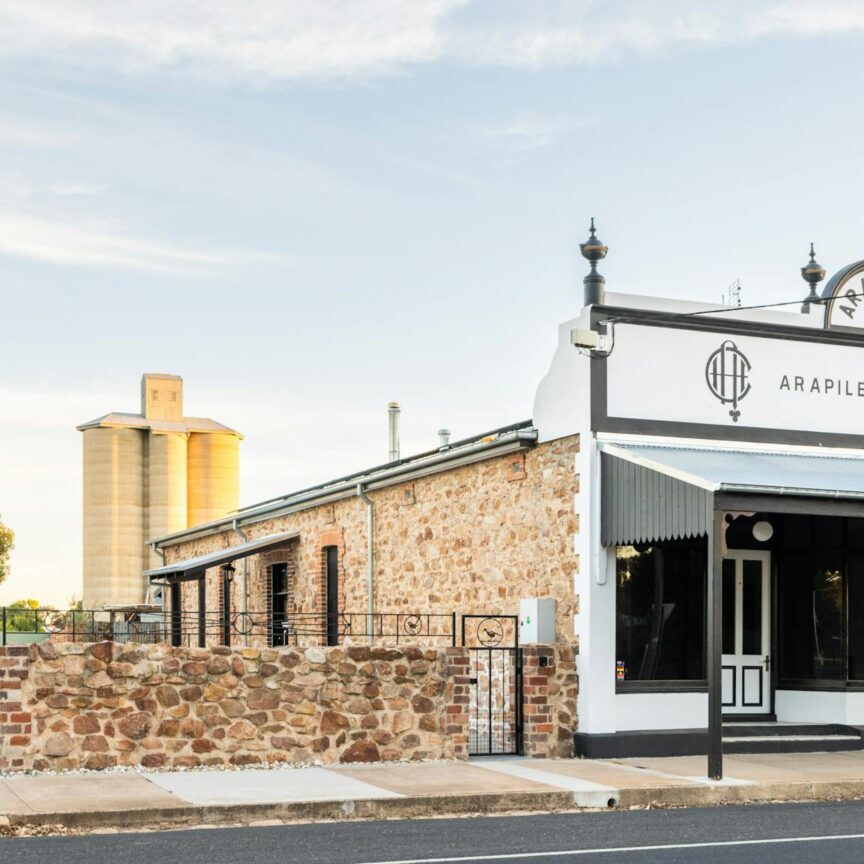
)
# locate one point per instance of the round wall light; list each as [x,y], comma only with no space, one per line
[763,531]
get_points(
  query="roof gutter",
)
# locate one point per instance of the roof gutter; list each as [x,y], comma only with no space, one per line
[509,442]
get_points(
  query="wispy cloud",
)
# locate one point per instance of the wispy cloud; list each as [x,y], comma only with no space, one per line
[13,186]
[102,244]
[593,32]
[293,40]
[25,135]
[287,40]
[529,131]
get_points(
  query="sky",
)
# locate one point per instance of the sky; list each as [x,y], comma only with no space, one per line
[309,208]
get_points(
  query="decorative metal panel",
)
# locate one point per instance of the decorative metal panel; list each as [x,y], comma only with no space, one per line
[639,505]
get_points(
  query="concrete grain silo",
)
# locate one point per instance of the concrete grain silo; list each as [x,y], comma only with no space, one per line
[147,475]
[166,474]
[113,513]
[214,476]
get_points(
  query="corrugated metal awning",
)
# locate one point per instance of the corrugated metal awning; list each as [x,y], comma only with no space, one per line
[192,568]
[641,505]
[654,493]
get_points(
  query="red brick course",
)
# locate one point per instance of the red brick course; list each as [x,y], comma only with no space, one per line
[549,690]
[15,721]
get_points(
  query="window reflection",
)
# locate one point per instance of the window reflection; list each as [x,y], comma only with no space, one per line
[660,611]
[811,625]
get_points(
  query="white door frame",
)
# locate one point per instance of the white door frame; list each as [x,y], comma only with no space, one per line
[746,678]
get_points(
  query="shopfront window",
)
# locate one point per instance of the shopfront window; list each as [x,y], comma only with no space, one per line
[660,611]
[855,574]
[811,589]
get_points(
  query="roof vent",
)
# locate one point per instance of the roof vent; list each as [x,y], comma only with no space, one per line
[443,439]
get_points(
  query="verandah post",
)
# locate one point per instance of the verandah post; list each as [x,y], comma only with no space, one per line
[714,635]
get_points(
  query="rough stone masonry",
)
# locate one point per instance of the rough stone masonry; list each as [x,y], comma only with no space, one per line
[69,705]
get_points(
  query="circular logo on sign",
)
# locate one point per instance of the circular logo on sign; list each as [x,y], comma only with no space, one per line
[412,624]
[55,622]
[490,632]
[727,373]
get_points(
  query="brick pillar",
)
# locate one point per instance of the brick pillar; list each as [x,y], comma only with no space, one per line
[457,696]
[549,689]
[15,722]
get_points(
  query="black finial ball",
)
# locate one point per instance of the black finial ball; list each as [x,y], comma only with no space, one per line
[812,272]
[593,249]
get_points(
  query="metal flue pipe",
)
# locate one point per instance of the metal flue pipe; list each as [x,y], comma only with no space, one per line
[393,412]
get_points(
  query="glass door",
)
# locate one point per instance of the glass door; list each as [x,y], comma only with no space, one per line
[746,632]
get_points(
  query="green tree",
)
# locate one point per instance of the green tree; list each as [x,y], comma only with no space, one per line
[21,617]
[7,544]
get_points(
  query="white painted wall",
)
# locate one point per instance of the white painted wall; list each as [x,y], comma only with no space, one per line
[855,709]
[561,408]
[819,706]
[810,706]
[634,711]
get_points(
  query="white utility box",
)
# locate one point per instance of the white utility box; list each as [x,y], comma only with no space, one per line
[536,621]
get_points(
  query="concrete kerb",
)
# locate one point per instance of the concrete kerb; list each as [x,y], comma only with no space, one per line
[420,807]
[751,793]
[416,807]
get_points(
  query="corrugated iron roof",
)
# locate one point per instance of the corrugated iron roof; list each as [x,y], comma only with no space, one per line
[190,568]
[119,420]
[485,446]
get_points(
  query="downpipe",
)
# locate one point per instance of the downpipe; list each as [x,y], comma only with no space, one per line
[245,604]
[370,562]
[148,596]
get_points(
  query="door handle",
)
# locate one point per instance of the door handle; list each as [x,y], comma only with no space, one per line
[767,662]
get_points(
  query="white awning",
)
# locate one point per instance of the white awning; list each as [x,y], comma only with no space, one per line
[821,475]
[192,568]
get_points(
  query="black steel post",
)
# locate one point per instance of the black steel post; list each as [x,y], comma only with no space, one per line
[453,628]
[714,645]
[489,694]
[202,611]
[520,708]
[4,626]
[226,609]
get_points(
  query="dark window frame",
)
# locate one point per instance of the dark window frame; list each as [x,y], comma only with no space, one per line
[278,633]
[331,593]
[668,685]
[176,614]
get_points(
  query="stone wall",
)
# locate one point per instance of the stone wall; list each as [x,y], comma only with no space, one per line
[474,539]
[66,705]
[103,704]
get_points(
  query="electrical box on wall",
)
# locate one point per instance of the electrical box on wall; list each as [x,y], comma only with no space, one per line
[536,621]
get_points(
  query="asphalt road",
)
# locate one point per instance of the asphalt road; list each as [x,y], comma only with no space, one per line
[827,833]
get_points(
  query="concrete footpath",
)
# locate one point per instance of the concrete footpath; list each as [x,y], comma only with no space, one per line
[398,790]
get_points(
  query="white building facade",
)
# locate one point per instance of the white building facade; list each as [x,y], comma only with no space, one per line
[721,509]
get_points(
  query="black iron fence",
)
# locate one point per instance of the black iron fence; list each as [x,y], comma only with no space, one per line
[193,628]
[23,624]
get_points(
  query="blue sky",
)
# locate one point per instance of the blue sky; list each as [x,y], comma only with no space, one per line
[310,208]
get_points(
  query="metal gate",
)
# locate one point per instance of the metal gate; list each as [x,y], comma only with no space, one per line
[495,715]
